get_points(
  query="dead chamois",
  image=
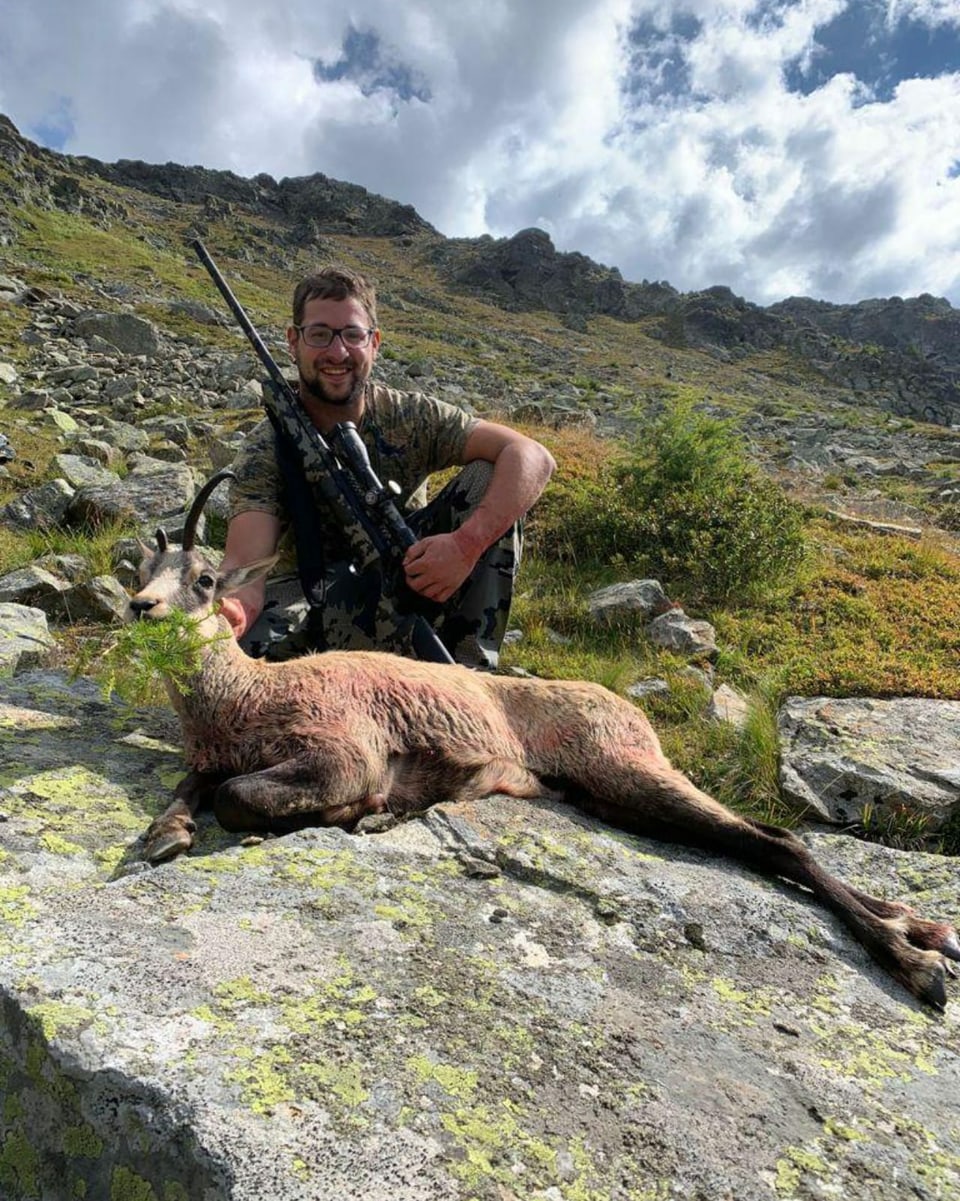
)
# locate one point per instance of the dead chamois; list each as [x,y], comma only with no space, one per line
[325,739]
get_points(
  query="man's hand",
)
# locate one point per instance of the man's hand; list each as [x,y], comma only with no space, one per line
[435,567]
[235,614]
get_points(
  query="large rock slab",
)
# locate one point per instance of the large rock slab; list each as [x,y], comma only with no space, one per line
[841,756]
[25,637]
[503,1000]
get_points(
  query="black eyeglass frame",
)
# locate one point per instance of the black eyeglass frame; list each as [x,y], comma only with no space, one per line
[368,331]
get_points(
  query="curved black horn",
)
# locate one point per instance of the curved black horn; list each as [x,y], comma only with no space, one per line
[190,525]
[162,542]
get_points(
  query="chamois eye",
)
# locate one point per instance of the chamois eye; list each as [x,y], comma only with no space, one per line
[206,580]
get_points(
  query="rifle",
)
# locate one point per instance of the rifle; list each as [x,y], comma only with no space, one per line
[344,477]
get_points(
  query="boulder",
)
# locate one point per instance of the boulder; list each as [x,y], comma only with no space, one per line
[611,604]
[149,491]
[840,756]
[40,508]
[102,599]
[25,640]
[129,334]
[675,631]
[33,585]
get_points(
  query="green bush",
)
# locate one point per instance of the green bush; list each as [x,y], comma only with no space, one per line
[688,506]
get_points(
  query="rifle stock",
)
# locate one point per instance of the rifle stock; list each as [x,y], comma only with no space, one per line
[350,488]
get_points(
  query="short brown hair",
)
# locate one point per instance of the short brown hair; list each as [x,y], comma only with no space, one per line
[333,282]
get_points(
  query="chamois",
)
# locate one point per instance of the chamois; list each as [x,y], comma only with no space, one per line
[327,738]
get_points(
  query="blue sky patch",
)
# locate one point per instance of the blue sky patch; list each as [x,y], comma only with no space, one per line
[55,128]
[859,42]
[363,61]
[658,66]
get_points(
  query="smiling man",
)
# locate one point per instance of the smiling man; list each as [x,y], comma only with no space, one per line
[460,572]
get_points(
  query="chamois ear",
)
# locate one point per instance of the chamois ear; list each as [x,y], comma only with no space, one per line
[146,558]
[232,581]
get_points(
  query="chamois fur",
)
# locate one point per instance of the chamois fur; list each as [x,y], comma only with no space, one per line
[326,739]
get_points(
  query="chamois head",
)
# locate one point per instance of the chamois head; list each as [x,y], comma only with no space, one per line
[181,578]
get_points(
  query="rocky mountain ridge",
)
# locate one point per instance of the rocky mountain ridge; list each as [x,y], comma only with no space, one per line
[902,355]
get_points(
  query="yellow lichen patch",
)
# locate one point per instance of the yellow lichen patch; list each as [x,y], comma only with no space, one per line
[59,846]
[751,1004]
[343,1000]
[263,1077]
[15,909]
[343,1081]
[242,991]
[455,1082]
[495,1147]
[875,1056]
[324,870]
[74,801]
[408,908]
[55,1016]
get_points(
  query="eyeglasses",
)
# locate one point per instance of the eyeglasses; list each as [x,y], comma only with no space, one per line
[321,336]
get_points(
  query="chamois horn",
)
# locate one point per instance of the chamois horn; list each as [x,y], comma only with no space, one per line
[190,525]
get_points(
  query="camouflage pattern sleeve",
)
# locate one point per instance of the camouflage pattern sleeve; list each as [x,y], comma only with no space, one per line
[415,436]
[257,485]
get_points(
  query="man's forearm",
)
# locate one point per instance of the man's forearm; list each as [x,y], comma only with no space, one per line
[251,535]
[520,474]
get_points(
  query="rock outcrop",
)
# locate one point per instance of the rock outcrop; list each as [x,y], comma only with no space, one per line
[498,1001]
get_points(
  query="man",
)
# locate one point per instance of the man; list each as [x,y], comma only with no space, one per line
[460,573]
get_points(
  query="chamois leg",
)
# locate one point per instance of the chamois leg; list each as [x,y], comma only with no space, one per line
[932,936]
[173,831]
[334,788]
[649,797]
[338,787]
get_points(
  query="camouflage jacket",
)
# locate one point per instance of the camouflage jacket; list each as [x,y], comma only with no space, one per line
[408,437]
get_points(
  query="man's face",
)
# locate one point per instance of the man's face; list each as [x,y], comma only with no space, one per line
[336,374]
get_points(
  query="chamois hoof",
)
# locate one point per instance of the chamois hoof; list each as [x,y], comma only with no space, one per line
[167,844]
[925,974]
[950,946]
[934,988]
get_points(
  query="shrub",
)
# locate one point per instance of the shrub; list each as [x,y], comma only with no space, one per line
[688,506]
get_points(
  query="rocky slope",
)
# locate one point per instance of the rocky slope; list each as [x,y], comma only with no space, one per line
[902,355]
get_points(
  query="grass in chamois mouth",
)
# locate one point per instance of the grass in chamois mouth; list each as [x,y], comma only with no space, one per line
[133,661]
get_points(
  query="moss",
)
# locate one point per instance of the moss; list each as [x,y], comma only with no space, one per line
[128,1186]
[82,1141]
[19,1165]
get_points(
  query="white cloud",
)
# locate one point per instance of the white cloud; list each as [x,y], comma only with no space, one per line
[679,155]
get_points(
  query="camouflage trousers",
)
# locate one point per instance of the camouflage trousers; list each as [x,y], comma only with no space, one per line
[354,616]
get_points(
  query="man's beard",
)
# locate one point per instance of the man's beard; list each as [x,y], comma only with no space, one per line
[318,391]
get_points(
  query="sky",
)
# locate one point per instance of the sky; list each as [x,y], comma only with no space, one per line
[778,147]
